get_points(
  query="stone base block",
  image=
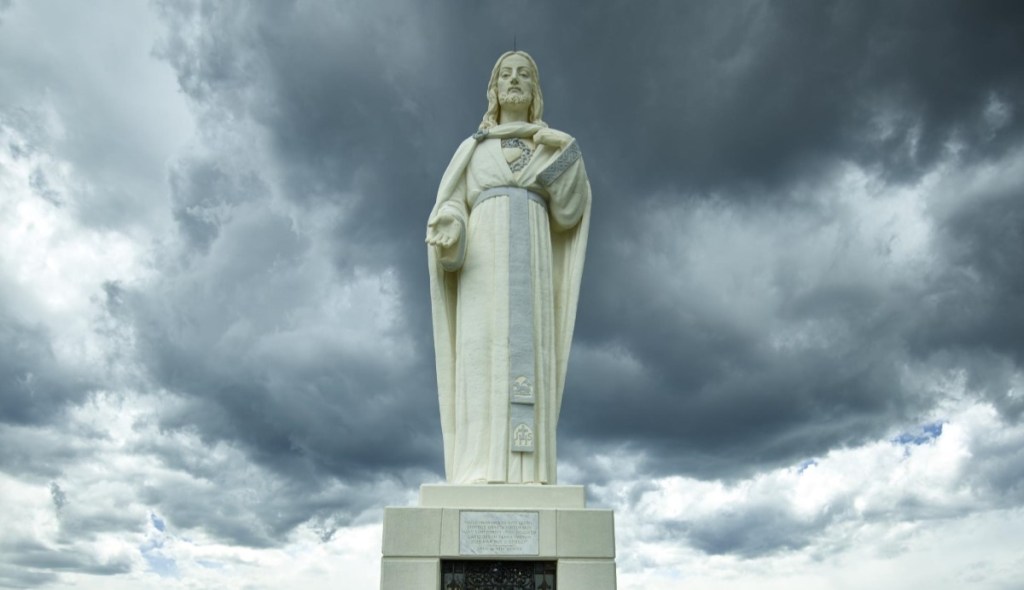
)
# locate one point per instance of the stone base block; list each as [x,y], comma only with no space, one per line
[410,573]
[586,574]
[499,522]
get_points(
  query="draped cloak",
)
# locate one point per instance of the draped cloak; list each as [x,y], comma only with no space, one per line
[478,296]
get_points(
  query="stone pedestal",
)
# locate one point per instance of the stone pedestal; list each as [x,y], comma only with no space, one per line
[498,522]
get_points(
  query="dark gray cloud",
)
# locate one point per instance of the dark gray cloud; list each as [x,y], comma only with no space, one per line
[18,577]
[974,316]
[39,556]
[35,385]
[752,96]
[752,532]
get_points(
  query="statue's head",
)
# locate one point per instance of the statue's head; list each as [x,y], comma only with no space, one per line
[500,89]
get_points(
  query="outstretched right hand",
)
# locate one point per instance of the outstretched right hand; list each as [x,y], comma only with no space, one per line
[443,231]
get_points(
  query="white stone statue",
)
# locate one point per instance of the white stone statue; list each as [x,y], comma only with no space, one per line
[506,241]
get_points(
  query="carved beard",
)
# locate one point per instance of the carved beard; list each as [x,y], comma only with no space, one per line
[511,98]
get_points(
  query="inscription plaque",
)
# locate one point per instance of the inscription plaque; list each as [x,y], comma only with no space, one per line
[499,533]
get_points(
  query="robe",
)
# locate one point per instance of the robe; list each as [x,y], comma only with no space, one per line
[504,299]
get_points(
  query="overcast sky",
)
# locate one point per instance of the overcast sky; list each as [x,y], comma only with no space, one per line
[799,358]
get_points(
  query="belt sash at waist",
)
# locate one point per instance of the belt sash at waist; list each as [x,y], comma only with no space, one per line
[511,191]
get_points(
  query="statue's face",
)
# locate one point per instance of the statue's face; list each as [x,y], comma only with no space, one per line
[515,80]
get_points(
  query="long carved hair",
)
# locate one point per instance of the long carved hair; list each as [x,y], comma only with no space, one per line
[493,108]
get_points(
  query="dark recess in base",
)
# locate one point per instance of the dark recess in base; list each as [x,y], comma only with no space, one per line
[464,574]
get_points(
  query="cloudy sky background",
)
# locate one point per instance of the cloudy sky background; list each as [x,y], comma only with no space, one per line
[799,358]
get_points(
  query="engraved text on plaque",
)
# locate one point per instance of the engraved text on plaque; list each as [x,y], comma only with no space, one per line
[498,533]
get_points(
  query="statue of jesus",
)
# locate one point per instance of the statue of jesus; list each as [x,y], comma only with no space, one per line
[506,241]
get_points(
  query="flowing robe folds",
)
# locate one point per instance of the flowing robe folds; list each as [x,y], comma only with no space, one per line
[504,301]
